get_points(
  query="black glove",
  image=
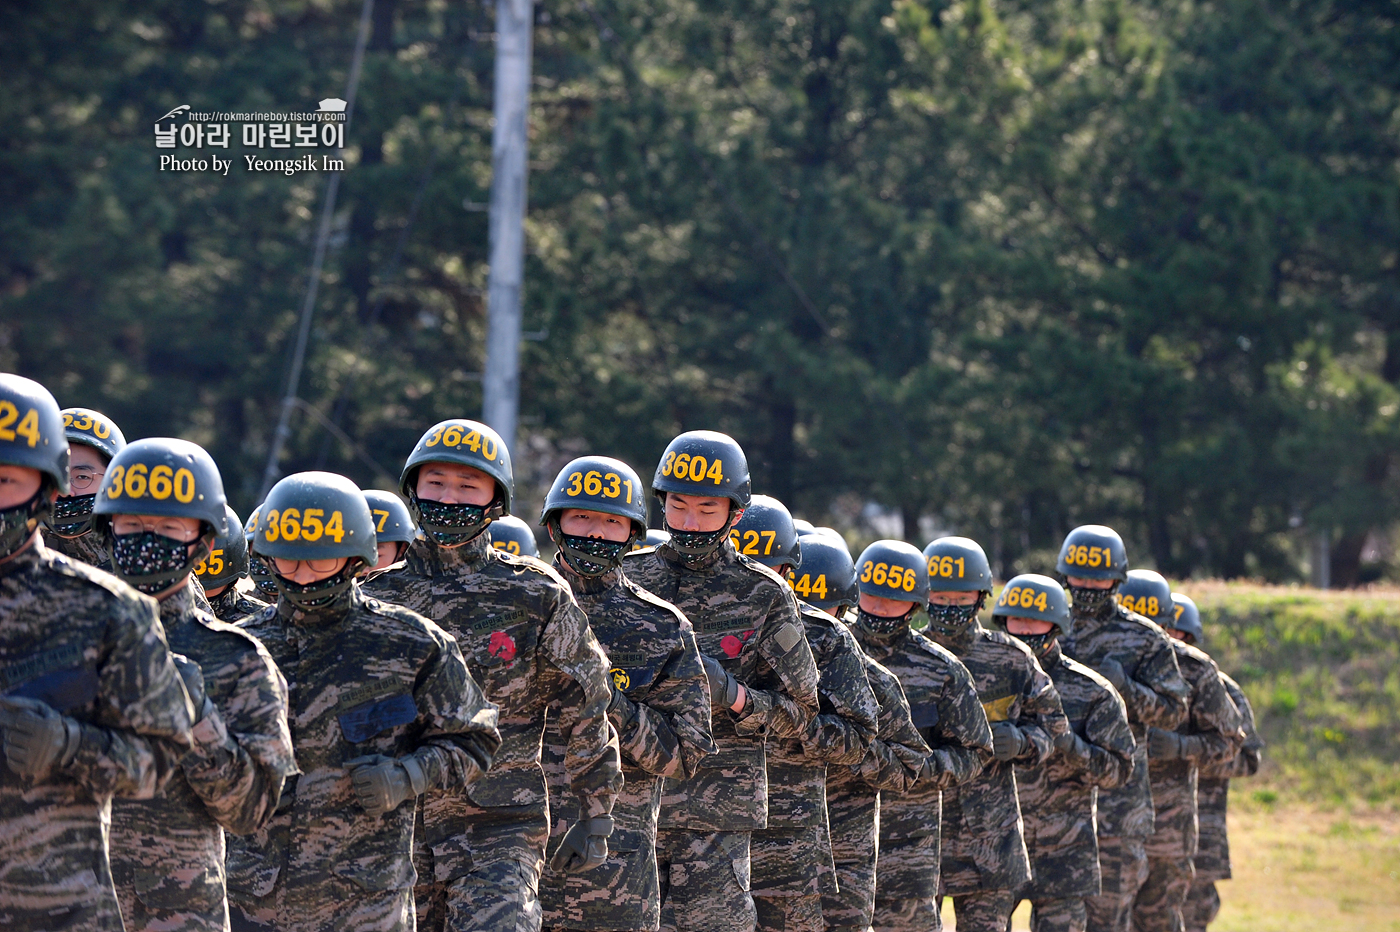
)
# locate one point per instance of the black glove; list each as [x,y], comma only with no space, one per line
[724,688]
[194,682]
[383,783]
[1112,671]
[621,710]
[1008,741]
[1071,745]
[1163,745]
[37,736]
[584,847]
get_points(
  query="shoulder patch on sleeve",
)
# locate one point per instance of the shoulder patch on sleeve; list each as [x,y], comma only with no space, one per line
[788,636]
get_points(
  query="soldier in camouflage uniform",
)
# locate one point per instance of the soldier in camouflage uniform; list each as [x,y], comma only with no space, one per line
[1057,795]
[264,586]
[1212,860]
[528,644]
[383,711]
[161,507]
[91,704]
[1136,656]
[394,529]
[514,536]
[660,703]
[93,439]
[893,581]
[892,760]
[224,574]
[1211,734]
[984,860]
[763,681]
[793,865]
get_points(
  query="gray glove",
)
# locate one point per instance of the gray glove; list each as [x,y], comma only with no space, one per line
[1168,745]
[1071,745]
[383,783]
[584,847]
[1112,671]
[1008,741]
[724,688]
[37,736]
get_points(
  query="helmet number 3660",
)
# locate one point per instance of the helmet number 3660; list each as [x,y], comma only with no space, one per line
[695,468]
[294,524]
[159,482]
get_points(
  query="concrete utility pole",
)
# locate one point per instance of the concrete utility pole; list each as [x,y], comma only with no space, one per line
[509,157]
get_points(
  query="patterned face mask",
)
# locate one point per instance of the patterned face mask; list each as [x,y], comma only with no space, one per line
[17,523]
[1038,643]
[589,556]
[696,546]
[72,516]
[884,625]
[448,525]
[150,562]
[319,594]
[1092,602]
[262,577]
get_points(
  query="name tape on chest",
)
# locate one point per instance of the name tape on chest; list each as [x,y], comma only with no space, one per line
[497,622]
[47,661]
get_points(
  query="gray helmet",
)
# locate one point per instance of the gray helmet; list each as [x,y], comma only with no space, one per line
[766,533]
[315,516]
[1093,551]
[392,522]
[94,429]
[598,483]
[803,526]
[894,570]
[512,535]
[827,577]
[1186,617]
[655,537]
[467,443]
[1031,595]
[163,476]
[227,561]
[1148,594]
[704,462]
[32,434]
[957,564]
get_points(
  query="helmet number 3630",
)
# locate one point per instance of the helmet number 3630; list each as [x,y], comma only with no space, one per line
[694,468]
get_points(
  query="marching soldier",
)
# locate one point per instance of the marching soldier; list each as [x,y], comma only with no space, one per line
[1136,656]
[1057,794]
[394,528]
[984,860]
[1211,734]
[528,644]
[514,536]
[660,704]
[763,681]
[161,508]
[91,705]
[383,711]
[943,702]
[93,439]
[793,866]
[223,572]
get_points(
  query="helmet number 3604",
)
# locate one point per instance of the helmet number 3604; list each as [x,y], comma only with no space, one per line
[160,482]
[695,468]
[28,427]
[294,524]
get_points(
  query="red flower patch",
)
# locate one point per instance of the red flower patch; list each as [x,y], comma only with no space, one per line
[732,645]
[502,646]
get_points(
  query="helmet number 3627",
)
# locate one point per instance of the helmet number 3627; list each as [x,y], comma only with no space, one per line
[694,468]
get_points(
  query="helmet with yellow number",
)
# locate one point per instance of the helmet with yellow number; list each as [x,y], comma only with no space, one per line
[598,483]
[767,534]
[704,463]
[1149,594]
[958,564]
[1186,617]
[227,561]
[315,516]
[163,476]
[94,429]
[460,442]
[510,534]
[258,570]
[31,430]
[827,576]
[392,522]
[1093,551]
[893,569]
[1038,598]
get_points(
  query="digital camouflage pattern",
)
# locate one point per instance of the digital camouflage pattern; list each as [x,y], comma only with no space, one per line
[945,709]
[662,719]
[528,644]
[792,858]
[891,764]
[364,677]
[1057,795]
[90,548]
[168,852]
[94,649]
[1212,858]
[983,838]
[237,602]
[1214,726]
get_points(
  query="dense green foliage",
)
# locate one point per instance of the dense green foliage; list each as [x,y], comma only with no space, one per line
[1005,265]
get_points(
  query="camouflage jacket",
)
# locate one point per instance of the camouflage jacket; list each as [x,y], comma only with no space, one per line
[237,602]
[364,677]
[944,707]
[745,616]
[1057,795]
[527,642]
[983,838]
[662,717]
[1155,695]
[94,649]
[1213,727]
[1212,791]
[89,548]
[168,852]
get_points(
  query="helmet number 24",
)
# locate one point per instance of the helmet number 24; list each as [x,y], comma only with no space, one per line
[28,427]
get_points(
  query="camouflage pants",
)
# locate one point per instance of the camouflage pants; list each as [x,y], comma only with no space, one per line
[852,906]
[1202,906]
[1159,902]
[1123,864]
[1061,914]
[913,914]
[502,895]
[328,908]
[984,911]
[704,881]
[791,862]
[906,881]
[138,917]
[788,913]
